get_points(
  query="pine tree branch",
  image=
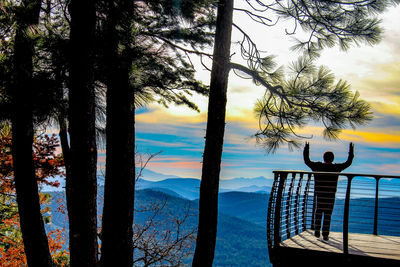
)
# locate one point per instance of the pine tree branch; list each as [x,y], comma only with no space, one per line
[258,18]
[255,75]
[165,40]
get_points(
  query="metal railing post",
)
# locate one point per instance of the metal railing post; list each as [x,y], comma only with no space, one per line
[288,205]
[277,219]
[271,210]
[296,205]
[314,208]
[376,207]
[298,210]
[346,217]
[305,200]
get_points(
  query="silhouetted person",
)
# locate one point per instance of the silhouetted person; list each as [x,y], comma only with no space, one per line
[325,186]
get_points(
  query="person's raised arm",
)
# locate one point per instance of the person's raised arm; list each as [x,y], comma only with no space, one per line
[350,157]
[306,155]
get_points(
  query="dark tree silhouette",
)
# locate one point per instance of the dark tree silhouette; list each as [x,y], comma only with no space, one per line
[32,227]
[119,189]
[81,186]
[74,64]
[208,205]
[141,63]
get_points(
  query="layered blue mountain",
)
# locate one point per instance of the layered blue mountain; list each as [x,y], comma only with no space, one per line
[361,216]
[241,238]
[185,187]
[189,188]
[251,207]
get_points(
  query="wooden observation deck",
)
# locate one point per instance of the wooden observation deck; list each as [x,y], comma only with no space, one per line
[365,222]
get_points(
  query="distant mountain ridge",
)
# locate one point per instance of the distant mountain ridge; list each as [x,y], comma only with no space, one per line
[185,187]
[155,176]
[249,189]
[237,183]
[189,187]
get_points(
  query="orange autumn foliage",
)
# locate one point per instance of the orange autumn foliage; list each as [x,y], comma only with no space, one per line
[12,250]
[47,164]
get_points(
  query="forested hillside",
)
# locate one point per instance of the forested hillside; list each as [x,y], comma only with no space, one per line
[241,238]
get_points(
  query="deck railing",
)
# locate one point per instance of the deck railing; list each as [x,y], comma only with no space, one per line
[365,203]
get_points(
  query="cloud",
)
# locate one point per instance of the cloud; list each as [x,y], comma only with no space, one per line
[185,167]
[170,159]
[160,143]
[386,135]
[385,108]
[374,71]
[386,169]
[174,165]
[388,156]
[162,122]
[390,22]
[239,89]
[174,115]
[382,88]
[385,139]
[101,159]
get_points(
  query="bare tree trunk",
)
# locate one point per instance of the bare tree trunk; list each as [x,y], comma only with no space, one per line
[81,186]
[119,189]
[208,210]
[63,133]
[31,221]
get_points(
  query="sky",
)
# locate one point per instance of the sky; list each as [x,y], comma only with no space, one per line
[372,71]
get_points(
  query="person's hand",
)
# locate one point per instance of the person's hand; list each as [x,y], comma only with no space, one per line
[307,146]
[351,148]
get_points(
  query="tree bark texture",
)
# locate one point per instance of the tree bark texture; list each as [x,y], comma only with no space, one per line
[31,221]
[119,190]
[209,186]
[81,186]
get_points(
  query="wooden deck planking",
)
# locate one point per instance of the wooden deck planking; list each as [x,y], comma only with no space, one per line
[379,246]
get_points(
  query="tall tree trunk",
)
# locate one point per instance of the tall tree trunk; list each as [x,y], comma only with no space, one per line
[63,133]
[208,210]
[119,189]
[81,186]
[31,221]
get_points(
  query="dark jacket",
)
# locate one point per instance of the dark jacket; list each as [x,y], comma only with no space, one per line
[326,181]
